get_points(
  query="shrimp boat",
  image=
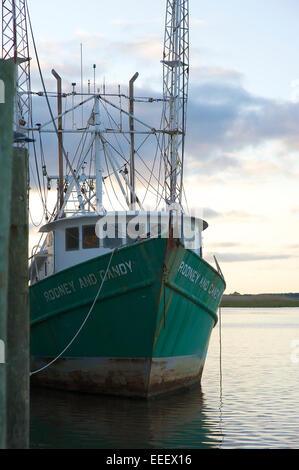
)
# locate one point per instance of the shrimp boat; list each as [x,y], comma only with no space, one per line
[122,301]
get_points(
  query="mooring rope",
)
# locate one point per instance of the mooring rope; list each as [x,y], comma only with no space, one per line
[220,373]
[82,325]
[220,349]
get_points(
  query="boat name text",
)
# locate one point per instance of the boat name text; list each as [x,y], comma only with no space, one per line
[197,279]
[89,280]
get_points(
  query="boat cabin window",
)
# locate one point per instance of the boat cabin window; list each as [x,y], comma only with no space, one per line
[72,239]
[90,239]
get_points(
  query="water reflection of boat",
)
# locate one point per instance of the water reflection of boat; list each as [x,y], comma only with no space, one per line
[68,420]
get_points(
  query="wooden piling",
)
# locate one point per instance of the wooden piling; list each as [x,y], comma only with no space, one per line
[14,291]
[18,321]
[7,80]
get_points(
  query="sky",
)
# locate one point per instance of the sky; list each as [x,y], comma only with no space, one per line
[242,160]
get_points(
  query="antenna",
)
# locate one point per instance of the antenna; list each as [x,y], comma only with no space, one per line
[175,89]
[73,104]
[132,153]
[15,47]
[81,53]
[94,78]
[60,138]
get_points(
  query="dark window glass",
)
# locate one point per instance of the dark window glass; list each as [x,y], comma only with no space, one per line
[90,239]
[72,239]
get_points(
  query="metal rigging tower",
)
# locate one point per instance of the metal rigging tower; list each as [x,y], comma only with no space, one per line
[175,79]
[15,47]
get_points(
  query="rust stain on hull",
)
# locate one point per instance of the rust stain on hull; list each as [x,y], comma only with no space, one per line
[140,377]
[169,374]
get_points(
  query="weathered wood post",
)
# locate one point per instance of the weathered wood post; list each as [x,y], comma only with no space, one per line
[18,321]
[7,91]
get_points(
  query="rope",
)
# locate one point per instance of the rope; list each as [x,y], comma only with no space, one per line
[82,325]
[220,373]
[220,353]
[220,346]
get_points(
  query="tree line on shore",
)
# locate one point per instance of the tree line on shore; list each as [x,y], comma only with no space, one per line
[260,300]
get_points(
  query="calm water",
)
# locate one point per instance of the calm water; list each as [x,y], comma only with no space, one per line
[255,405]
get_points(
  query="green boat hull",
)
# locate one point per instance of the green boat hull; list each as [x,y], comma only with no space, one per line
[148,332]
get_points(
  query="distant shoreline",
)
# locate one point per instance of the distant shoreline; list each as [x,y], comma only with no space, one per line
[261,300]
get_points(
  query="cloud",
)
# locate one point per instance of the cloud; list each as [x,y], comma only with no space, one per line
[224,245]
[240,216]
[226,124]
[295,91]
[235,118]
[241,257]
[148,48]
[126,24]
[294,246]
[197,22]
[234,133]
[218,113]
[206,74]
[212,164]
[234,215]
[223,117]
[210,213]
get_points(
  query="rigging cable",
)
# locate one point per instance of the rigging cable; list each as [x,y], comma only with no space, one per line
[111,183]
[46,95]
[136,152]
[138,174]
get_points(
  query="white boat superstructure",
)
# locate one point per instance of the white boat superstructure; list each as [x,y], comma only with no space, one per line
[74,240]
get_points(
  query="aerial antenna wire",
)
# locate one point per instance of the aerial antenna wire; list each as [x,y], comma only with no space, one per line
[81,55]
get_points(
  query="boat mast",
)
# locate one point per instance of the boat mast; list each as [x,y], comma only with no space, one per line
[132,153]
[60,138]
[98,159]
[175,80]
[15,47]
